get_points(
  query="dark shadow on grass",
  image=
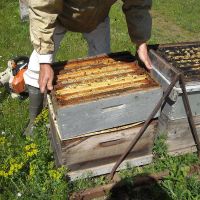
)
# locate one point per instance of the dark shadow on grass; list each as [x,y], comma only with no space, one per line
[143,187]
[4,94]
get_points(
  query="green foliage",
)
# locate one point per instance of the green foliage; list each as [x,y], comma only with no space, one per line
[160,146]
[28,170]
[179,185]
[182,13]
[87,181]
[14,35]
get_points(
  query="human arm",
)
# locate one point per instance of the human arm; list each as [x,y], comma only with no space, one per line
[139,26]
[43,15]
[45,77]
[142,52]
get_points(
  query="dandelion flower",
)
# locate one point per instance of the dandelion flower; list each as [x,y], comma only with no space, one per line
[19,194]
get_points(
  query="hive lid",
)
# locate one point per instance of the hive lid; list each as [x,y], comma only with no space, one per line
[94,78]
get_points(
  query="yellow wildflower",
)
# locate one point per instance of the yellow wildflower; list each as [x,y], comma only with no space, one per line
[32,169]
[30,146]
[31,153]
[12,160]
[55,174]
[14,168]
[42,116]
[31,150]
[2,140]
[3,173]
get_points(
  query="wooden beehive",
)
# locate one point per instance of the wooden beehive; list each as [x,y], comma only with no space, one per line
[96,153]
[103,89]
[167,60]
[184,58]
[97,106]
[179,136]
[102,92]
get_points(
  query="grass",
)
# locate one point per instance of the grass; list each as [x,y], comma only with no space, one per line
[28,162]
[172,186]
[184,14]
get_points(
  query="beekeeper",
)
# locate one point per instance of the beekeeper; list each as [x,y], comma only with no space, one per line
[51,19]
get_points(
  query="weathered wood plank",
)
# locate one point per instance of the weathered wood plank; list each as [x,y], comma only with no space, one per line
[139,161]
[178,132]
[106,147]
[175,109]
[98,166]
[106,168]
[23,5]
[55,143]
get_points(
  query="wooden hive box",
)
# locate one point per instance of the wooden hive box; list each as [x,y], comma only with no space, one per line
[179,136]
[96,153]
[102,92]
[167,60]
[97,107]
[181,57]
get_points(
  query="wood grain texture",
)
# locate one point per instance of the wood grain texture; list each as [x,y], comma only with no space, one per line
[97,153]
[175,109]
[106,147]
[178,132]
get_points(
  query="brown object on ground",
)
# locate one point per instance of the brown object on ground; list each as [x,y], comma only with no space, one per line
[18,84]
[138,181]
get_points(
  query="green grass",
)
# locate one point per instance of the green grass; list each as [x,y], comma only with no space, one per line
[182,13]
[35,177]
[174,184]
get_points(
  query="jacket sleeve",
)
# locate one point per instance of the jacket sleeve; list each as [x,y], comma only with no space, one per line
[43,15]
[138,19]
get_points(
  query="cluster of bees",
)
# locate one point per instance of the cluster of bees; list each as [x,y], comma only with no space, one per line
[185,58]
[100,78]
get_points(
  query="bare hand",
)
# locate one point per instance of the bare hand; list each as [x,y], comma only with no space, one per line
[143,55]
[45,77]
